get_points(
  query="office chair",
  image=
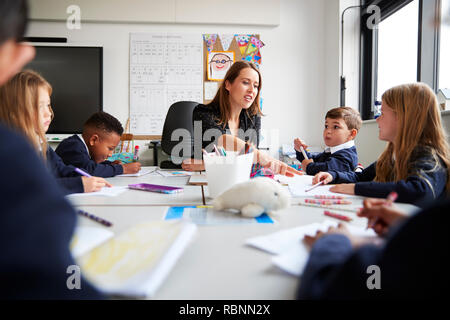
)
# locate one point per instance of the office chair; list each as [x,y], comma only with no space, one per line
[179,116]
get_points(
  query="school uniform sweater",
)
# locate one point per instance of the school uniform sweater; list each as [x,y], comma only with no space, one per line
[426,180]
[73,151]
[36,227]
[410,262]
[344,159]
[65,175]
[209,116]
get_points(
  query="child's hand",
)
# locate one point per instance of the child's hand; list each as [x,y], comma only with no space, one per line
[193,165]
[133,167]
[117,162]
[340,229]
[322,176]
[299,143]
[305,163]
[93,184]
[346,188]
[380,215]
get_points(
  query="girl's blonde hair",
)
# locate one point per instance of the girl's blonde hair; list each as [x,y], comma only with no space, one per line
[19,106]
[222,97]
[419,124]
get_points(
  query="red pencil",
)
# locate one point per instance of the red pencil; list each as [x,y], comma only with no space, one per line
[337,216]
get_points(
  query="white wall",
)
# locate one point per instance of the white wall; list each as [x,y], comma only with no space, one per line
[293,64]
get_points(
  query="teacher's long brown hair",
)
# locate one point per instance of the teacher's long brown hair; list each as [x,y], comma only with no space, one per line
[222,97]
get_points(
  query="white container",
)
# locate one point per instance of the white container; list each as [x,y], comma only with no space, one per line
[224,172]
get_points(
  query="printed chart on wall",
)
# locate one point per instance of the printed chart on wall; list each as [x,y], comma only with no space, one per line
[164,68]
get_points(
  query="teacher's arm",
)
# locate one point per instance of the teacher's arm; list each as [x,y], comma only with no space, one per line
[232,143]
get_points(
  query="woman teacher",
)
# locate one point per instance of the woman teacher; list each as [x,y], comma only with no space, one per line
[233,117]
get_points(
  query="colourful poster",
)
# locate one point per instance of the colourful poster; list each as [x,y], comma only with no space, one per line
[226,40]
[218,64]
[254,45]
[242,41]
[210,40]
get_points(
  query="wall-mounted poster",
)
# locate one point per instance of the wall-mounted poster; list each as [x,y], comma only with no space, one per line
[218,64]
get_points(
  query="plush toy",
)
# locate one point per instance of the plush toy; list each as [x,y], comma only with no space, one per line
[254,197]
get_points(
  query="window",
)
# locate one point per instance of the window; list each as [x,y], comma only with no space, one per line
[444,43]
[397,48]
[408,45]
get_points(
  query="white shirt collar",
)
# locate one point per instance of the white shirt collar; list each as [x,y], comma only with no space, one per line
[81,138]
[343,146]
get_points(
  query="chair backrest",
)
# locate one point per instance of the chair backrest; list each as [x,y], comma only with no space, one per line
[179,116]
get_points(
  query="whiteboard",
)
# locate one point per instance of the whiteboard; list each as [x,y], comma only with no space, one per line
[164,68]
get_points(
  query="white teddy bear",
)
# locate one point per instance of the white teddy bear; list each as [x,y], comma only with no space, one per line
[254,197]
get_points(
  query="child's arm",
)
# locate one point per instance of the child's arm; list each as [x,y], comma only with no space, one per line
[300,154]
[339,161]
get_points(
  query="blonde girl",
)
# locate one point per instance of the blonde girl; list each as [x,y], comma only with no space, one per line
[416,160]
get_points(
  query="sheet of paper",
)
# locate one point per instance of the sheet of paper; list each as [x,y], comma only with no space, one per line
[106,192]
[142,172]
[299,184]
[291,254]
[210,89]
[198,179]
[164,68]
[136,262]
[87,238]
[209,216]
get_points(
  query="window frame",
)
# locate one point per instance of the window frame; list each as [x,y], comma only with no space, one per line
[427,48]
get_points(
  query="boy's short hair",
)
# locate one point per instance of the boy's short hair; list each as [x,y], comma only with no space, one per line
[351,117]
[105,122]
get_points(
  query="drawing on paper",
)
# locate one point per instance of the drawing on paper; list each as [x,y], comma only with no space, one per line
[218,64]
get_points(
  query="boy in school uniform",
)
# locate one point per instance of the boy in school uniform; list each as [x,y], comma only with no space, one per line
[341,127]
[89,151]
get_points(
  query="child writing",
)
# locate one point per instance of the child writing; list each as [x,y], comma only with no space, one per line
[341,127]
[25,106]
[89,151]
[416,161]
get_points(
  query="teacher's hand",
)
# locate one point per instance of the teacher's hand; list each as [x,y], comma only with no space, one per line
[279,167]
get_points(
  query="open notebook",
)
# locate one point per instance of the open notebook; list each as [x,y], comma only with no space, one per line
[136,262]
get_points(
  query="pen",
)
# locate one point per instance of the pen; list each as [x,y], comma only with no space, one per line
[326,207]
[304,153]
[136,150]
[337,216]
[314,186]
[327,201]
[83,173]
[389,201]
[328,197]
[216,150]
[95,218]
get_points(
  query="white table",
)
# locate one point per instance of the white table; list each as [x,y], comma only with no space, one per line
[217,264]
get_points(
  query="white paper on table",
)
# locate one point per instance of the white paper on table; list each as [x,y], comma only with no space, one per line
[106,192]
[291,254]
[298,185]
[87,238]
[141,172]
